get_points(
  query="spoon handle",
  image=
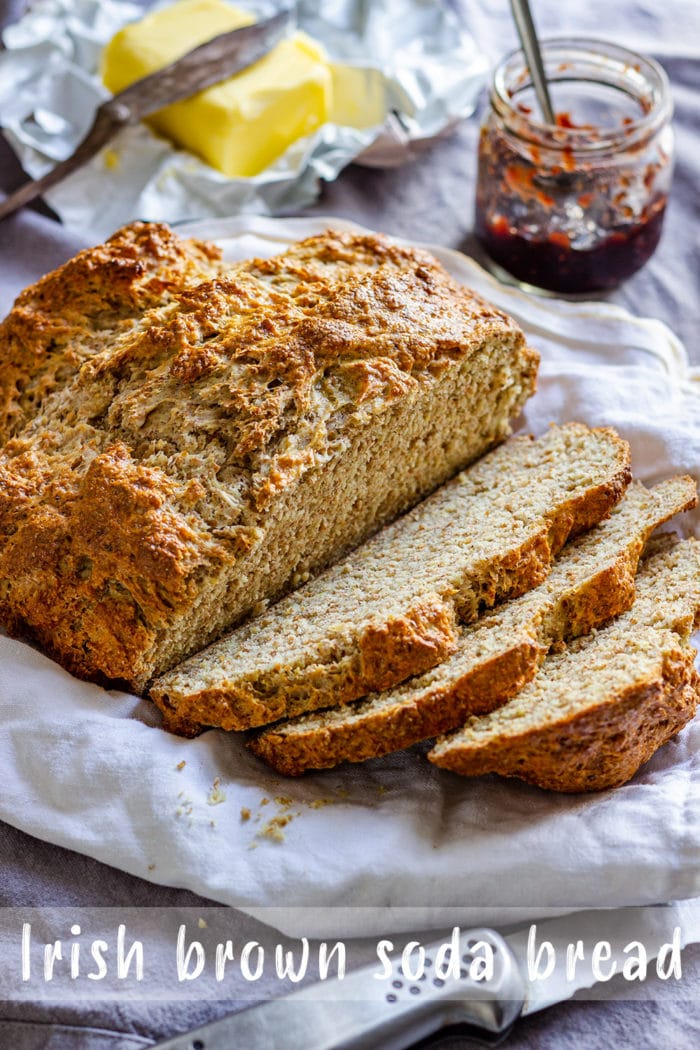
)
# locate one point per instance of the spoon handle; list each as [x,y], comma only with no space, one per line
[531,47]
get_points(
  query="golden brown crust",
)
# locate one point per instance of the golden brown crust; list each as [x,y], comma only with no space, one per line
[606,595]
[407,645]
[67,567]
[194,403]
[598,709]
[68,315]
[597,749]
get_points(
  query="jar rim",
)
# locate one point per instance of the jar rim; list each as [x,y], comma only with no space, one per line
[638,71]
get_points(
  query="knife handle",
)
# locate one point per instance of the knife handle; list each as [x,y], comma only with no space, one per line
[360,1012]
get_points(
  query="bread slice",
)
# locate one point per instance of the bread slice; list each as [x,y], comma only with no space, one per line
[390,609]
[592,581]
[204,454]
[598,710]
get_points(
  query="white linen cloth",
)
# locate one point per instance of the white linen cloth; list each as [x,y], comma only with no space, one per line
[91,770]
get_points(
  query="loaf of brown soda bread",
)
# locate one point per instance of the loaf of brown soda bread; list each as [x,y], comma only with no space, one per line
[189,439]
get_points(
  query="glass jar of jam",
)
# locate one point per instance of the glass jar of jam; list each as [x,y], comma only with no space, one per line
[576,206]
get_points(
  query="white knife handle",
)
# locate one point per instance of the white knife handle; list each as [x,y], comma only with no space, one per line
[360,1012]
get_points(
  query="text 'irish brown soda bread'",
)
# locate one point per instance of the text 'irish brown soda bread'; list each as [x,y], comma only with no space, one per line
[391,608]
[81,308]
[595,712]
[241,433]
[591,581]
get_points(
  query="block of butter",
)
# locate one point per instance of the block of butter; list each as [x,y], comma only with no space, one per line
[243,124]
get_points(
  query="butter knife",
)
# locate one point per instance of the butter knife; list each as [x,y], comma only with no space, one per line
[530,972]
[218,59]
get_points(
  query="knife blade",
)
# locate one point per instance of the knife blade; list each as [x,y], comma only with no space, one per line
[216,60]
[360,1012]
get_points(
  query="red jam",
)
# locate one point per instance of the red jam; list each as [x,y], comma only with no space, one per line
[577,206]
[551,262]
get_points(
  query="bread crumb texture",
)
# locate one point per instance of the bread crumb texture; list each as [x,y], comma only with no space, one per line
[598,710]
[216,796]
[185,439]
[391,608]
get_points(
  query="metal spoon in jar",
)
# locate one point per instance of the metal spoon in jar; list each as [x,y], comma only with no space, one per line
[531,46]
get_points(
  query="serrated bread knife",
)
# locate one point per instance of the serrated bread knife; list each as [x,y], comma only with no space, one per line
[219,58]
[361,1012]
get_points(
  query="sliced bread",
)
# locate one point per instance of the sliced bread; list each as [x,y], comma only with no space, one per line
[391,608]
[598,710]
[592,581]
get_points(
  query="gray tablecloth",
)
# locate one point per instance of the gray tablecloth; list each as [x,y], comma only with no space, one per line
[429,200]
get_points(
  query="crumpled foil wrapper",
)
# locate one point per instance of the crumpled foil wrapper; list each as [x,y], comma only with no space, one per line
[430,66]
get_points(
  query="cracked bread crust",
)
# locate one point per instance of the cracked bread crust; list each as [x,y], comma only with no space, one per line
[74,312]
[233,431]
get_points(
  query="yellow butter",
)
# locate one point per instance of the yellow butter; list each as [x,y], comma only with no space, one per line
[358,97]
[243,124]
